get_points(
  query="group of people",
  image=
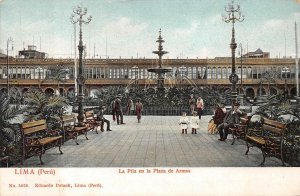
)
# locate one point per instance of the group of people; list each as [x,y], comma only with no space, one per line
[117,112]
[184,122]
[222,119]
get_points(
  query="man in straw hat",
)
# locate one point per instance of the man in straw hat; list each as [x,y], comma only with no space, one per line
[118,109]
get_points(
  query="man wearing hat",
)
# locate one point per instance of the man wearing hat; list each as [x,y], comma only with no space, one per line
[232,117]
[100,117]
[118,109]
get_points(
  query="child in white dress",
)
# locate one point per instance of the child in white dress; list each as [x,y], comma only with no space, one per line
[194,122]
[183,122]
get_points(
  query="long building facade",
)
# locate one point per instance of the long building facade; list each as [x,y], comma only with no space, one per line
[258,76]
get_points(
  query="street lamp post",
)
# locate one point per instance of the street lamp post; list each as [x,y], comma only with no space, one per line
[241,51]
[233,15]
[9,40]
[80,12]
[285,70]
[39,69]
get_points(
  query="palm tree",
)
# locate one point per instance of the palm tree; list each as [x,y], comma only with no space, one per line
[7,113]
[40,106]
[10,136]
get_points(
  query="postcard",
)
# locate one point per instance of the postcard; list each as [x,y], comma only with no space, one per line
[149,97]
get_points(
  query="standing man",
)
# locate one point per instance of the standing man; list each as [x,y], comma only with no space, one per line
[100,117]
[192,102]
[118,109]
[232,117]
[113,110]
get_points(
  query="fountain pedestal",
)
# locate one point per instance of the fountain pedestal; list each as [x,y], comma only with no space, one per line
[160,71]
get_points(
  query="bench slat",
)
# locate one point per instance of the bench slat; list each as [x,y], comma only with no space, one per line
[33,124]
[47,140]
[273,129]
[274,123]
[259,140]
[35,129]
[67,117]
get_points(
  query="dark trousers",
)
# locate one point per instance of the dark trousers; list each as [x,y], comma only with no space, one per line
[114,115]
[119,114]
[107,123]
[223,129]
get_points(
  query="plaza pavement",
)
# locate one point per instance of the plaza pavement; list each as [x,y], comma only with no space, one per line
[155,142]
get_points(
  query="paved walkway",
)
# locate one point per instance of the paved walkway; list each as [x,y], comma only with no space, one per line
[155,142]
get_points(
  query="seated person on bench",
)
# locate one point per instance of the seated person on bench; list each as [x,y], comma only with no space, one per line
[100,117]
[232,117]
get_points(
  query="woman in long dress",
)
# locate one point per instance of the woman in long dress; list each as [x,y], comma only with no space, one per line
[200,106]
[139,109]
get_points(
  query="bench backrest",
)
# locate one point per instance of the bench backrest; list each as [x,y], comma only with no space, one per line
[273,126]
[68,120]
[33,127]
[89,114]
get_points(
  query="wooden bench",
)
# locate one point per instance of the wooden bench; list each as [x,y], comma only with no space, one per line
[37,139]
[238,131]
[269,139]
[92,121]
[3,157]
[70,128]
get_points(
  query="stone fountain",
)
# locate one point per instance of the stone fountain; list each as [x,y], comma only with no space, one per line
[160,70]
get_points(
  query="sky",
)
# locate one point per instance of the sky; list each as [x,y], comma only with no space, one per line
[129,28]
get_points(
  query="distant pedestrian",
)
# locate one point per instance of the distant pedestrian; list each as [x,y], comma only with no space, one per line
[194,122]
[118,108]
[113,110]
[200,106]
[130,106]
[183,122]
[192,103]
[138,110]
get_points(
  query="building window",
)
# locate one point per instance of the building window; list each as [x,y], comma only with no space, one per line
[224,73]
[209,73]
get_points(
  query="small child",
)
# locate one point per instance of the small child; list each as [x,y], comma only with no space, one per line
[183,122]
[194,122]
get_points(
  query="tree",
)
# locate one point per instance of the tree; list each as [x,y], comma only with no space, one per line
[10,137]
[40,106]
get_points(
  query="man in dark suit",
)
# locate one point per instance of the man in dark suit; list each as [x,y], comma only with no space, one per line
[118,109]
[100,117]
[232,117]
